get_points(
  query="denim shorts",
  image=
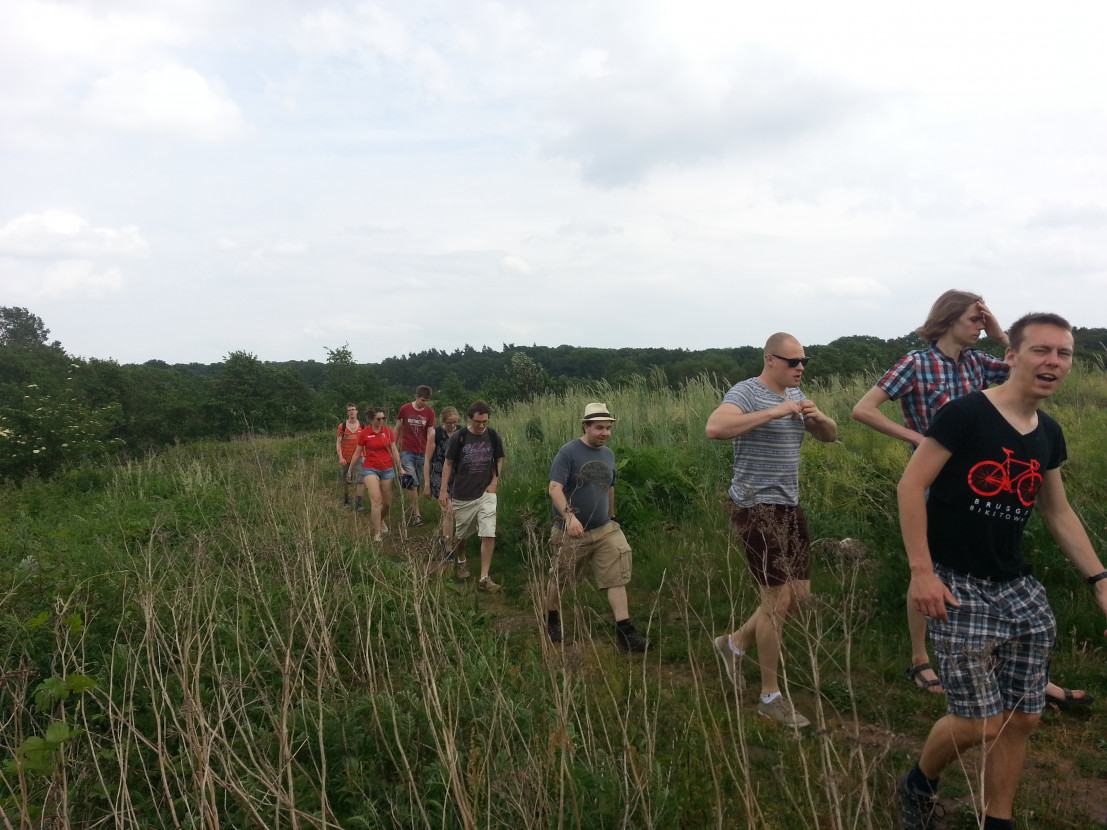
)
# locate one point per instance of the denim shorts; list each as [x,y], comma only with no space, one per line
[383,475]
[994,650]
[412,464]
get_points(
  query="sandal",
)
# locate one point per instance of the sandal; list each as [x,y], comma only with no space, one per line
[1069,699]
[913,673]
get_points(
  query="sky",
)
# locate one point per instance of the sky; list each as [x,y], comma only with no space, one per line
[187,178]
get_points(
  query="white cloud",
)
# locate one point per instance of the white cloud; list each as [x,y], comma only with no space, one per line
[56,234]
[855,287]
[171,99]
[515,266]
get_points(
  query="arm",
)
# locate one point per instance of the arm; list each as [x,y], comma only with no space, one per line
[444,488]
[427,456]
[867,411]
[611,502]
[394,449]
[338,447]
[561,504]
[491,488]
[729,421]
[992,328]
[1067,529]
[927,593]
[353,463]
[821,426]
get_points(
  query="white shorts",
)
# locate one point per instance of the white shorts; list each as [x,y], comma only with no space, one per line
[477,516]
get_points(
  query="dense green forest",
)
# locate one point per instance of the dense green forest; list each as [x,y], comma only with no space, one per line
[59,410]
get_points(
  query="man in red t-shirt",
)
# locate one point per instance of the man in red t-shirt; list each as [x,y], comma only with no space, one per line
[413,423]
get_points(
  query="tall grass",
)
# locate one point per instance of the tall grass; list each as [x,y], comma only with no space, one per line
[203,639]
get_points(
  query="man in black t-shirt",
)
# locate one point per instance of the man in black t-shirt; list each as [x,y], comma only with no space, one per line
[988,458]
[470,475]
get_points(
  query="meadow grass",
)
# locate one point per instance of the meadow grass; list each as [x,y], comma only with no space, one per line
[203,639]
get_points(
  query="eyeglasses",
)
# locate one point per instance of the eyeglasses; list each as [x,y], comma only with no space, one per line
[449,423]
[792,362]
[479,422]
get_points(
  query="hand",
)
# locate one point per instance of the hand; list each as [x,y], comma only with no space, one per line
[428,495]
[992,328]
[573,527]
[809,410]
[444,500]
[929,596]
[491,488]
[788,408]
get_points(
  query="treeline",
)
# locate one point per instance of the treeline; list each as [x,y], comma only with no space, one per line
[57,410]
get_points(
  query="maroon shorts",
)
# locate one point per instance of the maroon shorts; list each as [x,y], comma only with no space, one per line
[778,544]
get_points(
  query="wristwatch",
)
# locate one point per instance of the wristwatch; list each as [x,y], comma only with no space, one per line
[1092,580]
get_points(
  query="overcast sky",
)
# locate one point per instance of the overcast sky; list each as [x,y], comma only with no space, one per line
[180,179]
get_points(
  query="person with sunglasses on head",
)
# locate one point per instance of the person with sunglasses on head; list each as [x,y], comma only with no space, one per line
[433,458]
[923,382]
[766,417]
[470,475]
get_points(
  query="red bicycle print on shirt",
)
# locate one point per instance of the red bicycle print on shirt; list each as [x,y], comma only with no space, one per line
[989,478]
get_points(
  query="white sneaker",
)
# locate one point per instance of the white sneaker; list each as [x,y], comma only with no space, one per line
[781,711]
[731,662]
[378,538]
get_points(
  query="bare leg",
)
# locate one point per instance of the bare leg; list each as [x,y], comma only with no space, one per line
[618,599]
[386,499]
[373,488]
[487,548]
[764,628]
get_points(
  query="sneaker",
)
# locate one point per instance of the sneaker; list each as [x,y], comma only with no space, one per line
[361,508]
[461,569]
[917,810]
[631,640]
[553,628]
[345,505]
[486,584]
[731,662]
[378,538]
[384,528]
[416,522]
[781,711]
[449,557]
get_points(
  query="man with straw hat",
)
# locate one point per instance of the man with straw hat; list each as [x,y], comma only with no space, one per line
[582,489]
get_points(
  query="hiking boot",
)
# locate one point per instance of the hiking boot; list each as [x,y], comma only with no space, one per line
[731,662]
[553,628]
[631,640]
[486,584]
[461,569]
[918,810]
[781,711]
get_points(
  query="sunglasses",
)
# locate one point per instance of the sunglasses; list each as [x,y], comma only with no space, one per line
[792,362]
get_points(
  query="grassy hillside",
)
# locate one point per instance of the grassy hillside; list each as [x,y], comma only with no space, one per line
[203,639]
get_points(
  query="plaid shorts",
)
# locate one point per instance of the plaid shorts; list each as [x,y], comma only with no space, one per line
[993,652]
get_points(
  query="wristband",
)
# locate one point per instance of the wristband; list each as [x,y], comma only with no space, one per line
[1092,580]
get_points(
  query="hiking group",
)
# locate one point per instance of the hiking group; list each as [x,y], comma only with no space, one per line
[983,456]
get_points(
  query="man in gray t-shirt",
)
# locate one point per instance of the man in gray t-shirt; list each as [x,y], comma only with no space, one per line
[767,417]
[582,492]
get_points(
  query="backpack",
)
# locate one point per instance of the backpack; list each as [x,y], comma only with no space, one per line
[497,441]
[360,425]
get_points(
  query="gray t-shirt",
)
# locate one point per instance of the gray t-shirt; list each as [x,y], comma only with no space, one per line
[766,459]
[587,475]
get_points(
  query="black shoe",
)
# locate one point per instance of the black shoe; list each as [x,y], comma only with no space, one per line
[918,810]
[631,640]
[553,628]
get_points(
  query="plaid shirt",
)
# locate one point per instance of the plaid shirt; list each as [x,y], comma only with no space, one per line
[925,380]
